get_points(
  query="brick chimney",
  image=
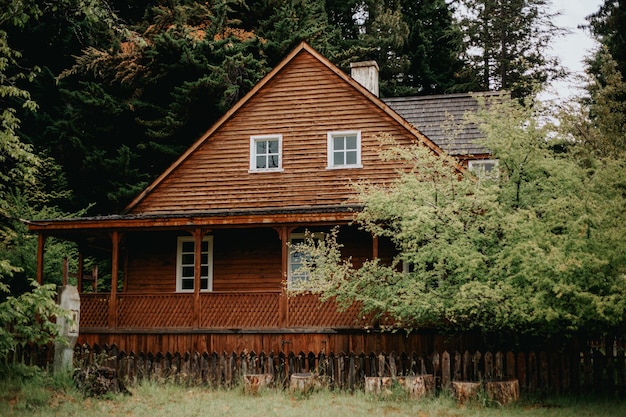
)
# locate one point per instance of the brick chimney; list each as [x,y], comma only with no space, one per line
[366,74]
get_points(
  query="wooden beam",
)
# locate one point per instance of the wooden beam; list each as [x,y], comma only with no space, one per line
[41,243]
[374,247]
[115,245]
[176,223]
[79,273]
[197,275]
[283,303]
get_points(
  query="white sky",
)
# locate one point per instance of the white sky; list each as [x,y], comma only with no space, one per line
[571,49]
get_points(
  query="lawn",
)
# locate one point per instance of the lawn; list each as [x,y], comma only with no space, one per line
[37,394]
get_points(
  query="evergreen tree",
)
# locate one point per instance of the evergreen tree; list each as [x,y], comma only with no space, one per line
[133,108]
[434,48]
[607,26]
[597,120]
[507,42]
[31,313]
[417,45]
[285,23]
[605,124]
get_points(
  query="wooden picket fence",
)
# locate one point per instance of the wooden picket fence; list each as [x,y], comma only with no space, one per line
[584,372]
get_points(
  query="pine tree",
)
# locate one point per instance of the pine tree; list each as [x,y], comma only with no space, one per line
[607,26]
[284,24]
[434,48]
[139,105]
[507,42]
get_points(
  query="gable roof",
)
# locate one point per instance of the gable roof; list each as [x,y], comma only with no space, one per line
[303,48]
[441,119]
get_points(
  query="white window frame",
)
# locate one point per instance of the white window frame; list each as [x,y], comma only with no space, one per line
[179,264]
[331,149]
[475,165]
[253,154]
[291,278]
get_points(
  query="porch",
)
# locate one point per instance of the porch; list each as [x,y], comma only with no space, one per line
[262,310]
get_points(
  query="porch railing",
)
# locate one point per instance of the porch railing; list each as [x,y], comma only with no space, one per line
[217,310]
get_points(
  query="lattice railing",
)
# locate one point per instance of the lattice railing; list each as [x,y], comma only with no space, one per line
[247,310]
[239,310]
[154,310]
[94,310]
[306,310]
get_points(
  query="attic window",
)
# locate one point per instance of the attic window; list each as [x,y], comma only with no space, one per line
[344,149]
[484,168]
[266,153]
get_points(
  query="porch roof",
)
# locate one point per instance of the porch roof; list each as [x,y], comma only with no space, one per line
[269,217]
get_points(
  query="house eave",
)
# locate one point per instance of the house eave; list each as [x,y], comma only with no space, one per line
[211,218]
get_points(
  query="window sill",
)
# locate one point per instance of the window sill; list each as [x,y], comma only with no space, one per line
[345,167]
[261,171]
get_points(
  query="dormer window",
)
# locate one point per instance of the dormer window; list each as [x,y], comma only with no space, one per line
[266,153]
[344,149]
[484,168]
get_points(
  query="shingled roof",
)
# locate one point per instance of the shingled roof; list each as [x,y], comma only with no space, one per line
[440,118]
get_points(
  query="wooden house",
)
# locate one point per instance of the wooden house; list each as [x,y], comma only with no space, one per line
[200,260]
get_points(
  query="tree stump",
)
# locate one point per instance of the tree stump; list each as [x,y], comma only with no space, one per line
[96,381]
[254,382]
[503,392]
[465,391]
[415,386]
[304,382]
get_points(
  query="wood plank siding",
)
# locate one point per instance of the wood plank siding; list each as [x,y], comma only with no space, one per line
[244,260]
[303,102]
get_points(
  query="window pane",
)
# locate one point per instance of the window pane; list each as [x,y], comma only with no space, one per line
[273,161]
[351,158]
[260,162]
[188,246]
[204,271]
[187,271]
[338,158]
[272,146]
[350,142]
[338,143]
[204,246]
[261,147]
[187,284]
[204,284]
[187,259]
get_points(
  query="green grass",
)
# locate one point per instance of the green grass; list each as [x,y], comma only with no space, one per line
[31,393]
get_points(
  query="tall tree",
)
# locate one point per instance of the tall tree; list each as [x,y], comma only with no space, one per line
[507,43]
[417,45]
[434,48]
[605,101]
[597,120]
[607,25]
[31,313]
[283,24]
[131,109]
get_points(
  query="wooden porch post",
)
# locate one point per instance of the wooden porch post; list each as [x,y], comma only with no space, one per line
[41,243]
[115,238]
[283,303]
[198,235]
[79,273]
[374,247]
